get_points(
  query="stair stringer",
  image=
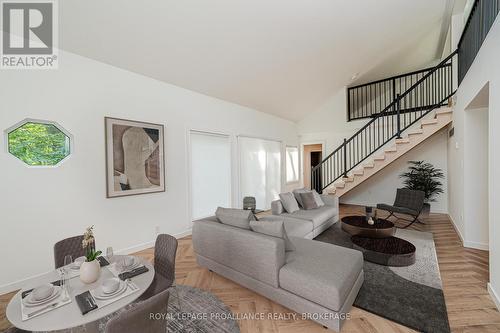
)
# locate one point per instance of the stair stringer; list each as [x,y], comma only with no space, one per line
[393,151]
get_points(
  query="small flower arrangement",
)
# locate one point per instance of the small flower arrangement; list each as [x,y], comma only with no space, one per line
[88,244]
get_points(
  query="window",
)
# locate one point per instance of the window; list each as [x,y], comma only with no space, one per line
[292,164]
[260,170]
[38,143]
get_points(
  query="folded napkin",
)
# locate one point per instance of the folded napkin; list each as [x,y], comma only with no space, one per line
[85,302]
[102,261]
[27,292]
[134,272]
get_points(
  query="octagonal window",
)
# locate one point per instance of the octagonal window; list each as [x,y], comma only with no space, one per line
[39,143]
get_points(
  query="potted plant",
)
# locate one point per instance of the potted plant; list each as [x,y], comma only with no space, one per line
[91,268]
[424,177]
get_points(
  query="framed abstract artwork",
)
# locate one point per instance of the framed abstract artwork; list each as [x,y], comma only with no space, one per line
[135,158]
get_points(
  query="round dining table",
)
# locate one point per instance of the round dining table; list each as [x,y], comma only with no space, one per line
[69,316]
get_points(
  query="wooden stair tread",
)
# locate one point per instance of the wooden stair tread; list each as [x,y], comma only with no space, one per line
[426,122]
[379,160]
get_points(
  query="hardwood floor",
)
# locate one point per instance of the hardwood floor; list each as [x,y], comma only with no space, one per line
[464,273]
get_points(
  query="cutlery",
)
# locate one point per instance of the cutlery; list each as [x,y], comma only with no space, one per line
[50,306]
[92,301]
[130,285]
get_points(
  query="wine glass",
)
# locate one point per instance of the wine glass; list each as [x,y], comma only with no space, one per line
[68,260]
[109,253]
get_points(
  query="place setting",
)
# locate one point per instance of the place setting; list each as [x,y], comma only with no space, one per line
[44,298]
[115,288]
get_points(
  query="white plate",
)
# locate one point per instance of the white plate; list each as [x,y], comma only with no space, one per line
[43,292]
[29,302]
[77,263]
[99,294]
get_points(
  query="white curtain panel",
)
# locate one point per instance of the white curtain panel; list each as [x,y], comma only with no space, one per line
[210,173]
[260,170]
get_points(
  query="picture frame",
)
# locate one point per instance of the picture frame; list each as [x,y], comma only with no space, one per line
[135,157]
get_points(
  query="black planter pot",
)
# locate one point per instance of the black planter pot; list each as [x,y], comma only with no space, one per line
[426,210]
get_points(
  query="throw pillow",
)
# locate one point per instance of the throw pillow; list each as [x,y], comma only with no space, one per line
[297,193]
[318,199]
[273,226]
[308,201]
[236,217]
[289,202]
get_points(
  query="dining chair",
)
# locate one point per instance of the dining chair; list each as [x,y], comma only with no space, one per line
[138,318]
[69,246]
[164,264]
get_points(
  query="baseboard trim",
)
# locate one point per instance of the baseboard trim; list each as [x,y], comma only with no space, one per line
[494,296]
[476,245]
[456,229]
[468,244]
[16,285]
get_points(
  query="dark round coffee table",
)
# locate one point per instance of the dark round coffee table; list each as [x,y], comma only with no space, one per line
[358,226]
[391,251]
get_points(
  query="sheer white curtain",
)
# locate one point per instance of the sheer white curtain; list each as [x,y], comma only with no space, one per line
[260,170]
[210,173]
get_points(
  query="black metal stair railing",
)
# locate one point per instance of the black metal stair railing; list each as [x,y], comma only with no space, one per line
[369,99]
[431,91]
[479,23]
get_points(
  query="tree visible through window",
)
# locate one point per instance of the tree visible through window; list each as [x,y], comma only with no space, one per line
[39,143]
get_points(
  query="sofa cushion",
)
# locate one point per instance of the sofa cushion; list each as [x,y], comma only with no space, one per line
[317,216]
[297,227]
[320,272]
[236,217]
[273,226]
[308,201]
[297,193]
[289,202]
[318,199]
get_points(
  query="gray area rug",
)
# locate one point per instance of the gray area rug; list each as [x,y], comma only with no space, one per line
[412,295]
[190,310]
[198,312]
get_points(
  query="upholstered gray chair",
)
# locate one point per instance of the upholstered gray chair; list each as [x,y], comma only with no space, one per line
[249,203]
[138,318]
[69,246]
[409,202]
[164,263]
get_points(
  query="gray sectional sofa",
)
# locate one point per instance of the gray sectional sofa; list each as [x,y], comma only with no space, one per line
[314,221]
[317,280]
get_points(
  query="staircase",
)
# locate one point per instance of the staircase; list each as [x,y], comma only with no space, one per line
[413,116]
[425,129]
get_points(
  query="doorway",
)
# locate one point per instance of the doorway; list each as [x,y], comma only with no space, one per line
[313,155]
[476,171]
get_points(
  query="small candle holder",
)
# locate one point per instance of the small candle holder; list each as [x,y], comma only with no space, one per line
[370,214]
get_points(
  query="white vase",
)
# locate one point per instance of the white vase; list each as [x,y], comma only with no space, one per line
[90,271]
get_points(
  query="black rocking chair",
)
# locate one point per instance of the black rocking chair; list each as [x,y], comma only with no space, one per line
[409,202]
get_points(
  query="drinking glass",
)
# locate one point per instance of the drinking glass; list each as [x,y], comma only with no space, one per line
[68,260]
[109,253]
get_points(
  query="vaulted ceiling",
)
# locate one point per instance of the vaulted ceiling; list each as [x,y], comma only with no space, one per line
[284,57]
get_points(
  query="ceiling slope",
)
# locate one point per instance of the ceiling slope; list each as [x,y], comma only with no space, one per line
[284,57]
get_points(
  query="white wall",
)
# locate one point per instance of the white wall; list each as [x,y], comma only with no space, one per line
[39,206]
[329,125]
[381,188]
[476,180]
[484,70]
